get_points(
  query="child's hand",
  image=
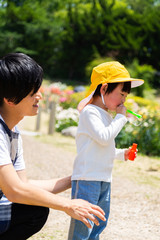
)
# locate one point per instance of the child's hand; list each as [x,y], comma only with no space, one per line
[121,109]
[126,154]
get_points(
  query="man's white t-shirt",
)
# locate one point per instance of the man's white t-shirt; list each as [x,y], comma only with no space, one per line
[11,152]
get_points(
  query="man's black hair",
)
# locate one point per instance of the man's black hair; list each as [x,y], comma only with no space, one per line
[19,75]
[111,86]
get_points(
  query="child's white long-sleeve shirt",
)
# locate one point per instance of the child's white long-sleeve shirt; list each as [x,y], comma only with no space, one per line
[95,142]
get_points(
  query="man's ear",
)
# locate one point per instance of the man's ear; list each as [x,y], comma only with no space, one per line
[104,88]
[6,101]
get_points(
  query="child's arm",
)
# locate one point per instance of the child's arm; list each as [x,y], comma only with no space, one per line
[53,185]
[122,154]
[92,123]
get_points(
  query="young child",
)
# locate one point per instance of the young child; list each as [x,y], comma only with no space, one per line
[95,140]
[24,203]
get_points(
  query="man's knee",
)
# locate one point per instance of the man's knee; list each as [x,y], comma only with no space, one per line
[40,217]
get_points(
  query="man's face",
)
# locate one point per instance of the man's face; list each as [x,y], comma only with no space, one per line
[29,105]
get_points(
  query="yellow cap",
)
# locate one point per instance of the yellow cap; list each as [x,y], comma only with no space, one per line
[108,72]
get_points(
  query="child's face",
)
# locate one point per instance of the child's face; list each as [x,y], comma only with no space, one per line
[115,98]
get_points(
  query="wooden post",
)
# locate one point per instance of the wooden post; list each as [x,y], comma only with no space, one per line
[52,118]
[47,103]
[38,122]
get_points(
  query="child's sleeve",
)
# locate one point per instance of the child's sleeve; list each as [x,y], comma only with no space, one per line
[120,154]
[96,129]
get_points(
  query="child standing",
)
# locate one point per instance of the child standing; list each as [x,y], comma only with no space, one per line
[95,139]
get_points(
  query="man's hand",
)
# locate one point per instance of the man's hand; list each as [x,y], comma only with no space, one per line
[83,210]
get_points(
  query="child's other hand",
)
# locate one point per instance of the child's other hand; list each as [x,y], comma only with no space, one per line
[121,109]
[126,154]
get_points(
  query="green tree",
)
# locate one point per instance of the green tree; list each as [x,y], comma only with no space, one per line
[64,36]
[31,27]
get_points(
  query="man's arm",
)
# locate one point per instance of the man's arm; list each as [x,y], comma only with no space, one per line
[21,191]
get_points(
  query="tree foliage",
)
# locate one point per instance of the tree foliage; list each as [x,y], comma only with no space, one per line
[65,35]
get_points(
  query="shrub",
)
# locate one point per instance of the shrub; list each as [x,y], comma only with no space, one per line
[146,135]
[145,72]
[66,118]
[95,62]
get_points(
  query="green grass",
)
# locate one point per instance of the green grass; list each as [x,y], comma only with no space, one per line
[144,170]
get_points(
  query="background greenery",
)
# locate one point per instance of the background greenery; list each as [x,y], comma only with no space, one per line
[64,36]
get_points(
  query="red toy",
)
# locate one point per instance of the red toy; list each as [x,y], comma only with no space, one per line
[132,153]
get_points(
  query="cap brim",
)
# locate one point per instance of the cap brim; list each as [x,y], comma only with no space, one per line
[136,82]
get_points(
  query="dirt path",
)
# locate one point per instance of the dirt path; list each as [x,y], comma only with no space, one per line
[135,209]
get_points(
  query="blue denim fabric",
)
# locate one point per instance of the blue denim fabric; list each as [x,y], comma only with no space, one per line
[95,192]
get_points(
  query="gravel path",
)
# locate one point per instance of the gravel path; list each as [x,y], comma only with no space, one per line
[135,209]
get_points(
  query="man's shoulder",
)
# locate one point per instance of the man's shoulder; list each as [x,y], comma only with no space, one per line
[3,135]
[2,130]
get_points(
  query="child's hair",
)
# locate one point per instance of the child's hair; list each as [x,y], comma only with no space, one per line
[111,86]
[19,76]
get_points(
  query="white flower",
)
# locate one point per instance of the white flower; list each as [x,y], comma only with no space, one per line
[129,128]
[59,85]
[69,113]
[145,124]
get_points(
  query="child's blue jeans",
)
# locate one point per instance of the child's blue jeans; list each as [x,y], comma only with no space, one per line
[95,192]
